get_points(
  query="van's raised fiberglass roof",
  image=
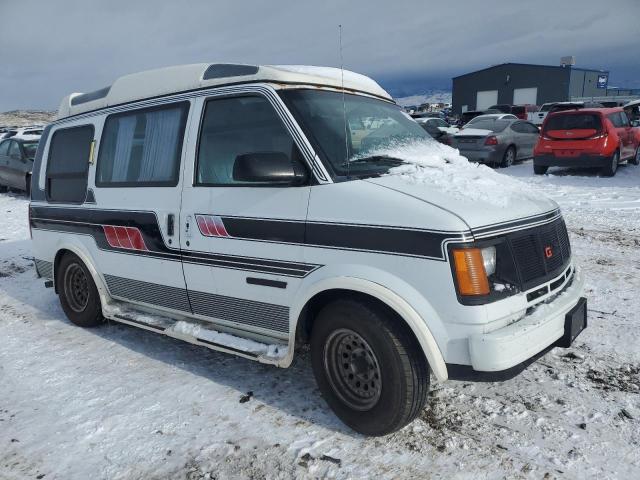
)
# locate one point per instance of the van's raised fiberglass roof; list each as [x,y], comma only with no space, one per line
[169,80]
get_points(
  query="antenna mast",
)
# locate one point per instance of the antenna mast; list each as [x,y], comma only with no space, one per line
[344,107]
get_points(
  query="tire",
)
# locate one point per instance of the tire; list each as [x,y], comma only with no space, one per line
[636,159]
[610,169]
[3,188]
[540,169]
[78,293]
[380,352]
[509,157]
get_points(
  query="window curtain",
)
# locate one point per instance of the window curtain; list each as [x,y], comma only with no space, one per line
[160,142]
[124,143]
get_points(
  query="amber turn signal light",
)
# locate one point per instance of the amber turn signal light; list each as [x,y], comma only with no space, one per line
[470,273]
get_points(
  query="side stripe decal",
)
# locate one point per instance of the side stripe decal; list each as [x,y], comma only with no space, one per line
[266,316]
[128,238]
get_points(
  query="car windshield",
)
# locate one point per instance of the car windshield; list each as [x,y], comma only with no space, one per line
[30,149]
[492,124]
[371,125]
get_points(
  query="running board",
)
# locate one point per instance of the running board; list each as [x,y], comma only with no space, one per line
[197,333]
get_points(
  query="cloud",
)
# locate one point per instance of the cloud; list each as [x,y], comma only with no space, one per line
[50,49]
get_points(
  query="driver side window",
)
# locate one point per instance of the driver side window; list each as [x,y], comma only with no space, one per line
[236,126]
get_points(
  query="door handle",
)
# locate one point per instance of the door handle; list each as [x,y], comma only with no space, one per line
[171,224]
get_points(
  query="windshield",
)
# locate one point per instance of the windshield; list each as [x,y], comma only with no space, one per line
[30,149]
[546,107]
[371,125]
[488,124]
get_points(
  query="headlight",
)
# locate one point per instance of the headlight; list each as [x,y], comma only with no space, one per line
[489,260]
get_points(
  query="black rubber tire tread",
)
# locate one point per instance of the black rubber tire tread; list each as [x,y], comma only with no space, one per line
[540,169]
[607,170]
[398,352]
[92,314]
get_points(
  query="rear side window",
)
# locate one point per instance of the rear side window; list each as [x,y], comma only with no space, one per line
[4,148]
[68,164]
[579,121]
[142,147]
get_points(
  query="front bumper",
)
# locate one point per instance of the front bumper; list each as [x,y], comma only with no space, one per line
[579,161]
[519,342]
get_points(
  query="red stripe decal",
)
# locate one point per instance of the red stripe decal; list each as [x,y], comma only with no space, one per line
[202,225]
[220,226]
[123,238]
[112,238]
[212,226]
[136,239]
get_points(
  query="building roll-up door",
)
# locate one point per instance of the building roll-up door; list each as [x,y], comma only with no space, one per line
[486,99]
[525,96]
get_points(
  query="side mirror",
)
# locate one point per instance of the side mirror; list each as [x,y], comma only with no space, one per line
[635,123]
[271,168]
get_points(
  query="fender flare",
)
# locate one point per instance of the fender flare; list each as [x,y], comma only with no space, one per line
[86,258]
[399,305]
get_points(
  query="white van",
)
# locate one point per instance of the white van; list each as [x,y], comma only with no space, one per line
[222,205]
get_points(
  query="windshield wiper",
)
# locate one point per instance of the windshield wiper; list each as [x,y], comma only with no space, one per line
[382,159]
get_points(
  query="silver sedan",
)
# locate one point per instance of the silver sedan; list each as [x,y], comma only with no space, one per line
[496,141]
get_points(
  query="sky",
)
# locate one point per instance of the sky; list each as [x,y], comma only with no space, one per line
[51,48]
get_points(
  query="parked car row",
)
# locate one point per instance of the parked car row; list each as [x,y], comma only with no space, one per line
[496,139]
[600,138]
[17,152]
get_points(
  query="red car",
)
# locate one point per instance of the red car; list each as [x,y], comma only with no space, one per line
[588,137]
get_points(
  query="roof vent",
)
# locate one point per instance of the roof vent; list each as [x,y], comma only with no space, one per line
[90,96]
[222,70]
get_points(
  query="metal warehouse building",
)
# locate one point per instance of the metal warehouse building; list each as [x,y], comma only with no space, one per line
[520,83]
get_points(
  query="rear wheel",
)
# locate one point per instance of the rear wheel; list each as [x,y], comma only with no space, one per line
[509,157]
[610,169]
[3,188]
[636,158]
[368,366]
[78,292]
[540,169]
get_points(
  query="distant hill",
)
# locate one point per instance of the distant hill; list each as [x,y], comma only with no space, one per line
[23,118]
[430,96]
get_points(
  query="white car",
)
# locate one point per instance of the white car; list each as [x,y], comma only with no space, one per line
[226,205]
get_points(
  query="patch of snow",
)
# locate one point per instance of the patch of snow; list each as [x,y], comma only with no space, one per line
[442,168]
[120,402]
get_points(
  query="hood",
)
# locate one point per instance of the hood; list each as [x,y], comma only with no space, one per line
[476,132]
[478,195]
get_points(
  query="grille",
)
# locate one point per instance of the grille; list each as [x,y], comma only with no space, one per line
[540,253]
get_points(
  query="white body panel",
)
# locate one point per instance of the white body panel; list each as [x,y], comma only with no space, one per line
[385,237]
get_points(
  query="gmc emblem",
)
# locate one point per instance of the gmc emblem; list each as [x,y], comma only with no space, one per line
[548,252]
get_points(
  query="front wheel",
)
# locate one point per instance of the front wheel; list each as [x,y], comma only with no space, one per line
[78,293]
[610,169]
[368,366]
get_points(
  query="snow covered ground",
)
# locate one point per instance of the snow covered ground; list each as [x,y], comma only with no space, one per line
[121,403]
